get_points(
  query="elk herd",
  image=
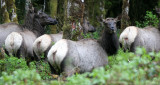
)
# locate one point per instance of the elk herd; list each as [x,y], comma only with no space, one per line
[29,41]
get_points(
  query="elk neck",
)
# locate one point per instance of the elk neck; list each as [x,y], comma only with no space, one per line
[109,42]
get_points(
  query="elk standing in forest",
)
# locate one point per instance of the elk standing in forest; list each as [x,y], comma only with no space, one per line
[67,56]
[32,28]
[148,37]
[44,42]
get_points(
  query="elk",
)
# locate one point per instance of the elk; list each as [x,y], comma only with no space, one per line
[148,37]
[69,56]
[31,17]
[33,27]
[44,42]
[87,27]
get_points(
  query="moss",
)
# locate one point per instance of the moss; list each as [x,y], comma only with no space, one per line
[66,31]
[60,14]
[53,12]
[11,7]
[74,16]
[96,9]
[5,15]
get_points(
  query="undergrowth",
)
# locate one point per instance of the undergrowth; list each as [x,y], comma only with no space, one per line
[125,68]
[150,19]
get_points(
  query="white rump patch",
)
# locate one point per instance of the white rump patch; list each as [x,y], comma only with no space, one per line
[41,44]
[58,52]
[13,42]
[128,36]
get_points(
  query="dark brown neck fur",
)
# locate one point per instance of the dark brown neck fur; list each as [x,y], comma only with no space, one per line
[32,24]
[109,42]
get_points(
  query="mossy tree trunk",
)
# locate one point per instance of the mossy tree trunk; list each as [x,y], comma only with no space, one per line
[11,7]
[125,17]
[66,26]
[27,2]
[73,16]
[53,12]
[0,12]
[60,14]
[5,13]
[95,9]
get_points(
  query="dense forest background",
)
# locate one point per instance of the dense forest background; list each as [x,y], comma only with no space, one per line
[92,10]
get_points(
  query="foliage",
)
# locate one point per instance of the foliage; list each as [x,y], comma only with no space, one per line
[21,77]
[125,68]
[150,20]
[43,69]
[10,63]
[94,35]
[79,80]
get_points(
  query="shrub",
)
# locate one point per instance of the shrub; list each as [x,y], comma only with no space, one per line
[21,77]
[123,69]
[149,20]
[10,63]
[78,79]
[43,69]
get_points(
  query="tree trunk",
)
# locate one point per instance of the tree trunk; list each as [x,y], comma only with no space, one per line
[66,27]
[74,11]
[27,5]
[125,17]
[5,13]
[95,9]
[53,12]
[60,14]
[11,7]
[0,12]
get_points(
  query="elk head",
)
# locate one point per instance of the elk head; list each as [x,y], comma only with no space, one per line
[110,23]
[45,19]
[87,27]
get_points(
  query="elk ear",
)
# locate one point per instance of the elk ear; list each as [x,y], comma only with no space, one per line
[118,18]
[36,13]
[104,20]
[40,11]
